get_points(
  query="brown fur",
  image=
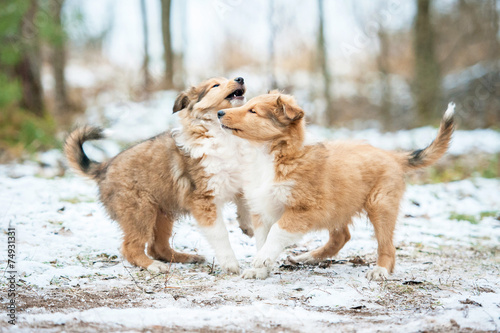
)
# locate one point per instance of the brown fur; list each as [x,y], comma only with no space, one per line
[333,181]
[146,187]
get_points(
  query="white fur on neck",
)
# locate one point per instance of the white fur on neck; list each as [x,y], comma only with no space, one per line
[222,156]
[265,197]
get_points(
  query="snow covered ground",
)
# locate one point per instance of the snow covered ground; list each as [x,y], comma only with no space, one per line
[71,276]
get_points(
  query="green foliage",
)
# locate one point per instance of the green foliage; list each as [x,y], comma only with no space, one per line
[465,167]
[11,14]
[22,131]
[10,90]
[474,219]
[464,217]
[491,213]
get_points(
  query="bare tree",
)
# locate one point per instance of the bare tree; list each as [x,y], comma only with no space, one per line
[323,62]
[495,47]
[145,33]
[167,43]
[427,81]
[384,70]
[58,58]
[271,55]
[27,70]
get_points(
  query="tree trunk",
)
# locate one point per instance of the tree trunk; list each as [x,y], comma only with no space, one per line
[330,116]
[145,33]
[28,67]
[167,44]
[495,47]
[427,81]
[383,68]
[271,55]
[58,60]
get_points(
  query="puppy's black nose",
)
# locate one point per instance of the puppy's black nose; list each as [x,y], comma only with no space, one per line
[240,80]
[220,114]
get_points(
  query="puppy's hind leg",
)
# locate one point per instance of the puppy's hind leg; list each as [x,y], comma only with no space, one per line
[137,223]
[159,245]
[383,214]
[338,238]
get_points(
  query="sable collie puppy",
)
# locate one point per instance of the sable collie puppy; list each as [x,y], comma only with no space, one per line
[293,188]
[193,169]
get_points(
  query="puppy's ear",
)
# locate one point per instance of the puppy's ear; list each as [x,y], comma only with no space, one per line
[181,102]
[291,112]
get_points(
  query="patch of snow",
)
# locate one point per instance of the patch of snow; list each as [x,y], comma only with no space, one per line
[65,238]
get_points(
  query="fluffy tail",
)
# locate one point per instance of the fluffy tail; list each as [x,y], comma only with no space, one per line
[424,157]
[76,156]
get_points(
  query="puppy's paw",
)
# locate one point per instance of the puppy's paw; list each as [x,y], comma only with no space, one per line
[255,273]
[378,274]
[230,266]
[158,267]
[305,258]
[262,262]
[195,259]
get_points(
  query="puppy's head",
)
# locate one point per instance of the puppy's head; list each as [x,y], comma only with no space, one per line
[264,118]
[204,100]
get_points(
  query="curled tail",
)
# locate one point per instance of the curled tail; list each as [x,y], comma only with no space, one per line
[73,149]
[424,157]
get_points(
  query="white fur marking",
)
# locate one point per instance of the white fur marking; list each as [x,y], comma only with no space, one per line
[378,273]
[305,258]
[223,155]
[261,235]
[256,273]
[265,197]
[276,242]
[450,111]
[238,102]
[218,238]
[108,132]
[158,267]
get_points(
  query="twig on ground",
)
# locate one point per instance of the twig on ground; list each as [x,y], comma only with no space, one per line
[133,279]
[170,273]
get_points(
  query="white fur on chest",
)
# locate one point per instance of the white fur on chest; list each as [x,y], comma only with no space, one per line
[222,156]
[265,196]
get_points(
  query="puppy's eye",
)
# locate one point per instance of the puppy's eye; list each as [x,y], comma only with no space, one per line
[215,85]
[252,111]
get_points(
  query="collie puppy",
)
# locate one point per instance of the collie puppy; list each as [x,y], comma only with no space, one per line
[293,188]
[193,169]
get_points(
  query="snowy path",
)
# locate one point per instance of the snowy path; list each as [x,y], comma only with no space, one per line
[72,276]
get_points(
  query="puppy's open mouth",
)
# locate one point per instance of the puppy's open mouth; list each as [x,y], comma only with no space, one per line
[229,128]
[237,94]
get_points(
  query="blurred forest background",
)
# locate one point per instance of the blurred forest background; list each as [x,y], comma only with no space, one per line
[357,64]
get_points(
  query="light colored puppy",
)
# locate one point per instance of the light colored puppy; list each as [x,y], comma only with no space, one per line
[293,188]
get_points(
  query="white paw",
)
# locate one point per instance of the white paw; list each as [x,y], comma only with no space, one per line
[255,273]
[262,262]
[378,273]
[230,265]
[158,267]
[305,258]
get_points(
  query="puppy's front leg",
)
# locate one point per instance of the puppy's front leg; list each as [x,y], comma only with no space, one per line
[244,216]
[277,239]
[261,231]
[212,225]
